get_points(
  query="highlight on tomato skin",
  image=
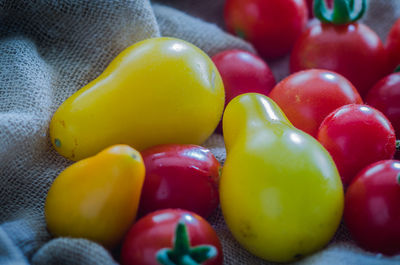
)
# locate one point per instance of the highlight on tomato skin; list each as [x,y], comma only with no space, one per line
[372,209]
[357,135]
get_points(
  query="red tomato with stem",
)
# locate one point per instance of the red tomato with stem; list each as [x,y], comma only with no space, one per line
[372,211]
[180,176]
[157,231]
[385,96]
[393,45]
[272,26]
[243,72]
[308,96]
[344,46]
[356,135]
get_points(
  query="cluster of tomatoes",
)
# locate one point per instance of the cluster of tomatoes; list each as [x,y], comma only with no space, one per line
[176,185]
[337,93]
[341,91]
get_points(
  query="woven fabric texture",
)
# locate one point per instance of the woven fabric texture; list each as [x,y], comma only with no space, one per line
[50,49]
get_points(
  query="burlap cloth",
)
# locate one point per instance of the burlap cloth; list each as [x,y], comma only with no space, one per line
[50,49]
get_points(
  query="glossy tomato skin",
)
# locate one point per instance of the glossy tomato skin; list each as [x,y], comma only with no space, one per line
[279,186]
[243,72]
[272,26]
[180,176]
[372,211]
[156,231]
[308,96]
[97,198]
[352,50]
[385,96]
[356,135]
[156,85]
[393,45]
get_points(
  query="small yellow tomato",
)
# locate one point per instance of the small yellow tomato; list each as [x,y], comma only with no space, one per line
[280,191]
[97,198]
[157,91]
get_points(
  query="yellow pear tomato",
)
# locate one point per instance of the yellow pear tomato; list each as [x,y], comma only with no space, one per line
[97,198]
[158,91]
[280,191]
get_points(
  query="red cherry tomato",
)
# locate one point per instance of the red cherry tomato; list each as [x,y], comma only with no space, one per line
[180,176]
[393,45]
[272,26]
[385,96]
[352,50]
[243,72]
[372,211]
[307,97]
[356,136]
[156,231]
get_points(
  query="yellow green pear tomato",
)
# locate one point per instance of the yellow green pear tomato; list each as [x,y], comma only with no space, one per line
[97,198]
[280,191]
[158,91]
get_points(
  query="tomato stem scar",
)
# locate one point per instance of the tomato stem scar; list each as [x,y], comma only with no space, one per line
[240,33]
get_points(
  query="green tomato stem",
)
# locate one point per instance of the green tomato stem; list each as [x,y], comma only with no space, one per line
[182,253]
[343,11]
[397,69]
[351,5]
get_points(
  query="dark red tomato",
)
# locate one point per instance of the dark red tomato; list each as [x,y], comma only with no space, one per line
[356,136]
[372,211]
[272,26]
[393,45]
[180,176]
[385,96]
[307,97]
[352,50]
[156,231]
[243,72]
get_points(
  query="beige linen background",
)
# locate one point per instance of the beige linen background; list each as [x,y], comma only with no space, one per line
[50,49]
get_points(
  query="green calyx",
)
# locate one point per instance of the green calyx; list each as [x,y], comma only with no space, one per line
[398,145]
[397,69]
[343,11]
[182,253]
